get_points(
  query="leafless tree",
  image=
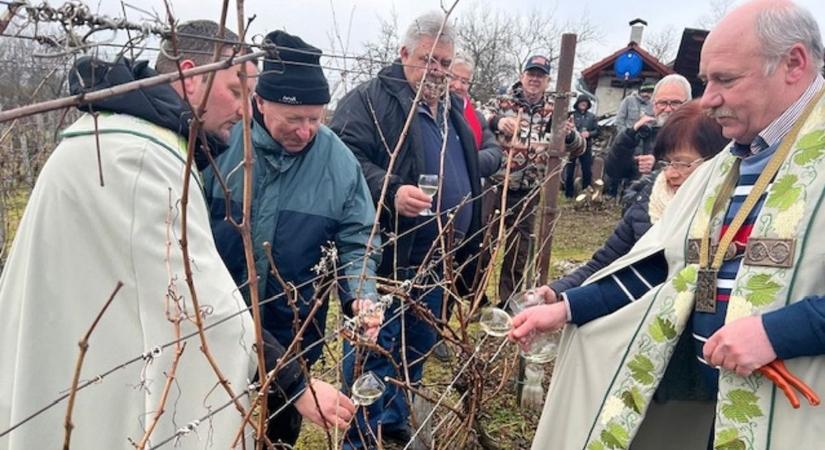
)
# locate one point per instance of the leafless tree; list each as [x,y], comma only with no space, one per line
[662,44]
[500,41]
[718,9]
[25,144]
[351,71]
[504,41]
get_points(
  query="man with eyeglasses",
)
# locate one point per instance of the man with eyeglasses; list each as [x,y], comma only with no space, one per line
[461,80]
[631,153]
[372,121]
[521,119]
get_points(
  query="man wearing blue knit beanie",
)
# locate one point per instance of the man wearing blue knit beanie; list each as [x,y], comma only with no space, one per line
[309,194]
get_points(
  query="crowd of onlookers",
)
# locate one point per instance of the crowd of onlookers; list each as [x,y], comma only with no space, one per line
[407,182]
[314,185]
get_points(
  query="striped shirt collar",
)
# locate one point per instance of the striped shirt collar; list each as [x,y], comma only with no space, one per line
[779,128]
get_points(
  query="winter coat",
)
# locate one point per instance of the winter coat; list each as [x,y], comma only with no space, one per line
[106,209]
[529,150]
[162,106]
[586,121]
[619,162]
[301,204]
[634,223]
[631,109]
[370,119]
[484,137]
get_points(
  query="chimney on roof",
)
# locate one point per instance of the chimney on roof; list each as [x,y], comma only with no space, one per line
[637,28]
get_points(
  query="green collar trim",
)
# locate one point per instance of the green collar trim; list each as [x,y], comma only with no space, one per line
[177,153]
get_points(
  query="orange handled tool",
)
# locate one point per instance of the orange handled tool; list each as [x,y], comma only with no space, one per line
[785,380]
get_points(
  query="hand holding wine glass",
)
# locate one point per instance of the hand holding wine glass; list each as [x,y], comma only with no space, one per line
[520,301]
[409,200]
[538,345]
[538,319]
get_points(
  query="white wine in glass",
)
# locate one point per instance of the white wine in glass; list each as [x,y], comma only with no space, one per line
[520,301]
[543,347]
[367,389]
[495,322]
[429,185]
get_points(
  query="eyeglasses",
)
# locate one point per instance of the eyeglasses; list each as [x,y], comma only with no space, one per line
[672,103]
[465,81]
[678,166]
[443,64]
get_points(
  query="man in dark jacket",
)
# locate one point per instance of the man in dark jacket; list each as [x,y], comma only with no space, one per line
[632,152]
[371,121]
[308,194]
[588,128]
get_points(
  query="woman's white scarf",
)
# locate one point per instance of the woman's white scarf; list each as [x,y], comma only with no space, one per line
[660,197]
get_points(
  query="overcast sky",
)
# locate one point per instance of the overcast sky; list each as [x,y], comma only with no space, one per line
[358,20]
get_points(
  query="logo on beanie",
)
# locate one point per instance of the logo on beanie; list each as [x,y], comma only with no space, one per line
[290,100]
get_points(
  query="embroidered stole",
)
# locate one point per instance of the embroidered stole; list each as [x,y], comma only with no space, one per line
[744,404]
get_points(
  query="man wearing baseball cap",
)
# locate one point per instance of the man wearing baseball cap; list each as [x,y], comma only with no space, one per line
[526,112]
[308,192]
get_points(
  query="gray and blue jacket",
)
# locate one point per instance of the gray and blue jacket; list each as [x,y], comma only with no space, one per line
[300,203]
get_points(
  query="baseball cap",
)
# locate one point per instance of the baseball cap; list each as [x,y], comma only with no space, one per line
[538,62]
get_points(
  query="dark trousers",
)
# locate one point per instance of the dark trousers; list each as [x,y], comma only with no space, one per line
[285,426]
[618,179]
[586,162]
[404,337]
[518,230]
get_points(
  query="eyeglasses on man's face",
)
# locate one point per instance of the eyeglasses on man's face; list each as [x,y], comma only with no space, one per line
[673,104]
[465,81]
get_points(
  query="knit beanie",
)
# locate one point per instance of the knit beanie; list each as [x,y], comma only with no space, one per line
[295,77]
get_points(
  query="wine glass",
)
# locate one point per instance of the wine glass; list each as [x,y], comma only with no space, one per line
[429,185]
[541,347]
[495,322]
[520,301]
[367,389]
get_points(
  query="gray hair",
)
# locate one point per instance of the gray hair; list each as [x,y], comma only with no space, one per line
[675,78]
[428,25]
[465,59]
[195,41]
[780,27]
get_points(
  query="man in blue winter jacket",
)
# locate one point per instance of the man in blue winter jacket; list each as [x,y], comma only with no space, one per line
[310,223]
